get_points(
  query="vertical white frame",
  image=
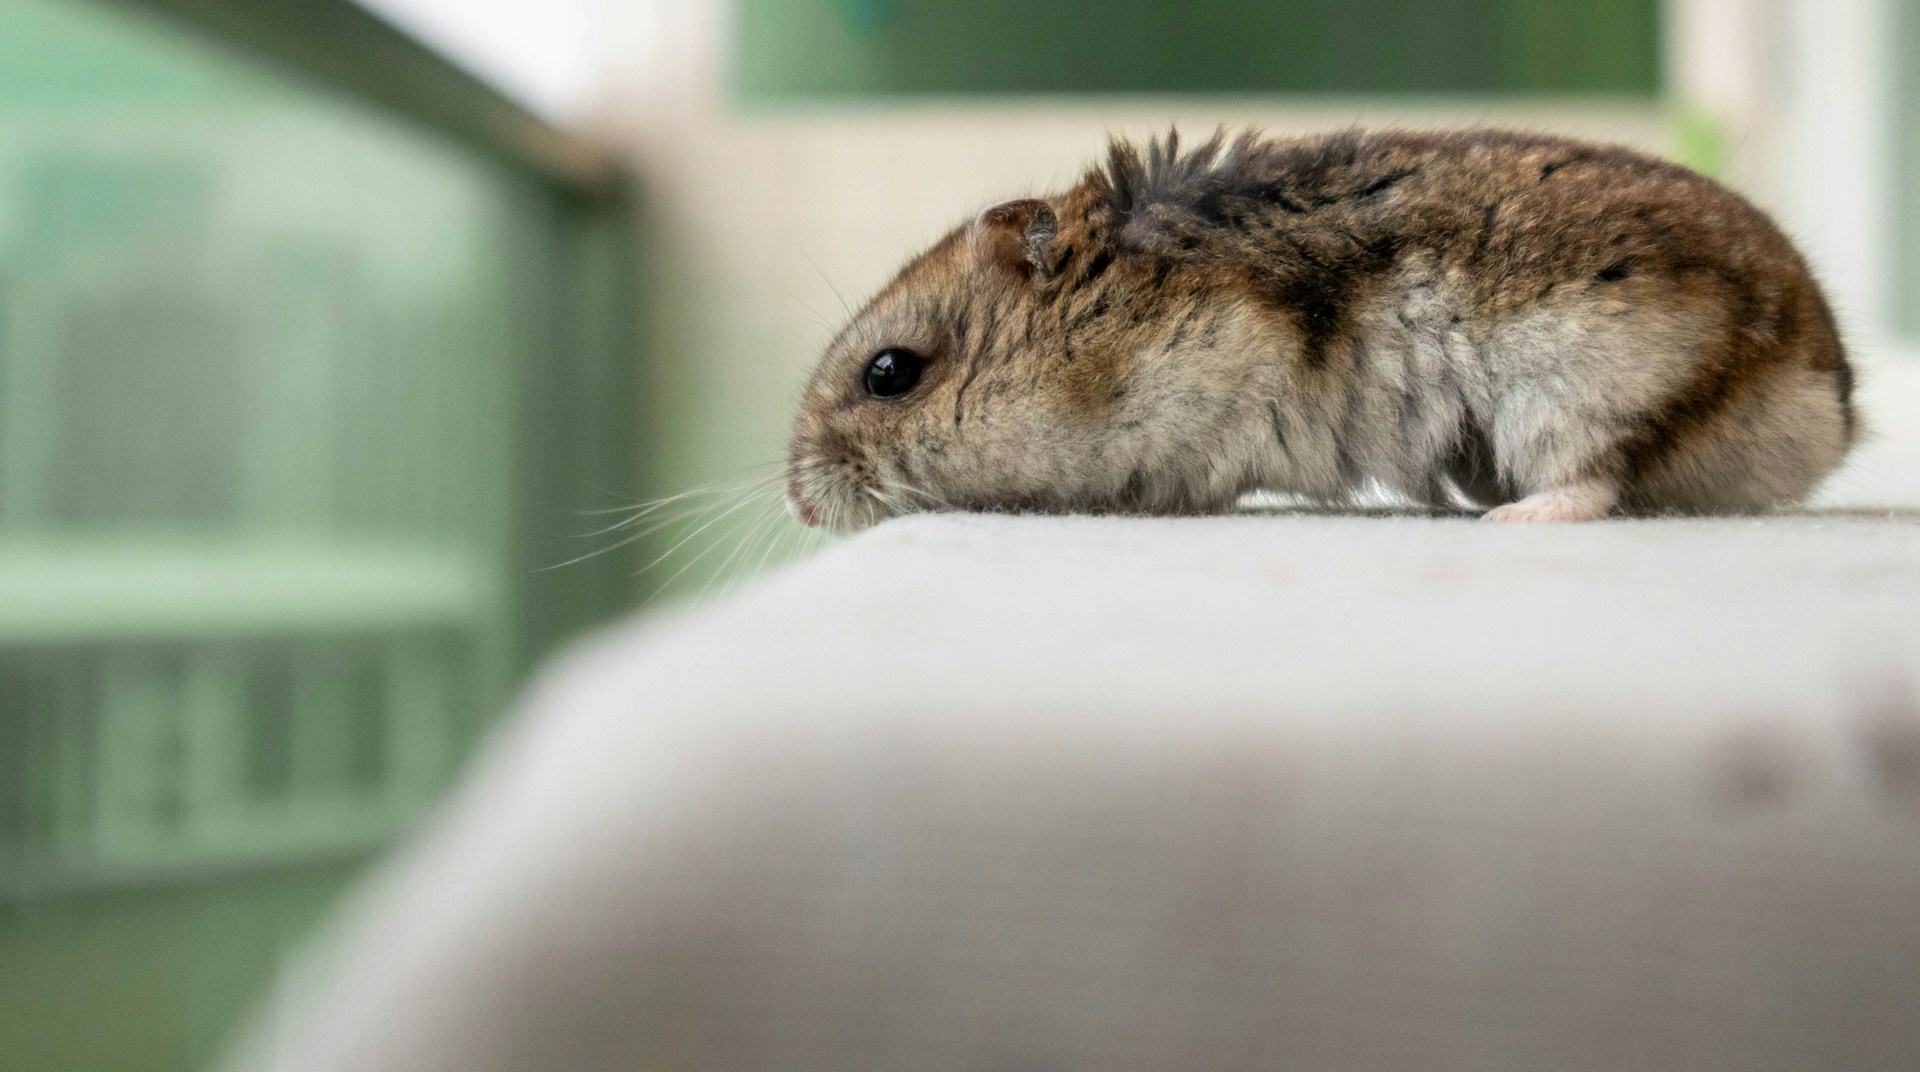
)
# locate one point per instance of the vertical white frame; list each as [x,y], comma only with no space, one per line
[1835,110]
[1804,93]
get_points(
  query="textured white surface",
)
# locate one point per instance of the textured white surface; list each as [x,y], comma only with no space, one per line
[992,793]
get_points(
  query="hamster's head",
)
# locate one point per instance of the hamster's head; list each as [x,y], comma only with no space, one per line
[997,371]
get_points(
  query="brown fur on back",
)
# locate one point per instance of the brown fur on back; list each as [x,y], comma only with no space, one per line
[1305,224]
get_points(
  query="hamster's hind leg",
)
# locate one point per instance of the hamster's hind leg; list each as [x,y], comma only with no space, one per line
[1588,500]
[1575,382]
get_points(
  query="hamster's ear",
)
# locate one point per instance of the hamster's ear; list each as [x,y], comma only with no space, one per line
[1016,236]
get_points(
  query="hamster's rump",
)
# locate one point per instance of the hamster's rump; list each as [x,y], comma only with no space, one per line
[1552,328]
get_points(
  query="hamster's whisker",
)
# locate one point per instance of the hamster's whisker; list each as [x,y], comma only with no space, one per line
[775,535]
[738,538]
[665,515]
[815,313]
[682,541]
[930,497]
[660,514]
[722,485]
[704,552]
[823,278]
[785,540]
[630,538]
[763,534]
[704,489]
[640,534]
[748,547]
[768,510]
[683,506]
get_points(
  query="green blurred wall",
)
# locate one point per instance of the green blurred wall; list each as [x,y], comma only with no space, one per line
[798,48]
[149,978]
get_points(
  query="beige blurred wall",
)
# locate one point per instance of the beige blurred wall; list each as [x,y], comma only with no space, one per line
[755,221]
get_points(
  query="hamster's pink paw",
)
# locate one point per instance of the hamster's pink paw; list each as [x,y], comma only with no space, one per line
[1575,502]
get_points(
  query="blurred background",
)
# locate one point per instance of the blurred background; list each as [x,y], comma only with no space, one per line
[330,334]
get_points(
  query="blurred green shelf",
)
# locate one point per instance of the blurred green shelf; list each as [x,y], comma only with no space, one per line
[102,593]
[307,833]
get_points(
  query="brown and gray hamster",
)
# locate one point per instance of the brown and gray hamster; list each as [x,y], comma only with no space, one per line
[1550,329]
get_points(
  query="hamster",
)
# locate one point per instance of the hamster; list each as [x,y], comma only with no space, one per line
[1540,328]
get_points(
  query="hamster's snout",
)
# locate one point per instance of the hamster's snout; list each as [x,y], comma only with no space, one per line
[833,483]
[804,487]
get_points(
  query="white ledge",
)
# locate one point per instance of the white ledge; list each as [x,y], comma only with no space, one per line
[1379,793]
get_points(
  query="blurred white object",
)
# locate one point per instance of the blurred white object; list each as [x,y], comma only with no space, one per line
[1804,93]
[545,54]
[993,793]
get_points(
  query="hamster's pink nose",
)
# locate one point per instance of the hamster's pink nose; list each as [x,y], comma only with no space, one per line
[799,506]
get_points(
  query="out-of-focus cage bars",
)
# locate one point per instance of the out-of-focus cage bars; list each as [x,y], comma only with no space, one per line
[279,383]
[299,387]
[245,542]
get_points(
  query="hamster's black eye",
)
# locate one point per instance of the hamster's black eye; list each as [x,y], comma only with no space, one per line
[893,372]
